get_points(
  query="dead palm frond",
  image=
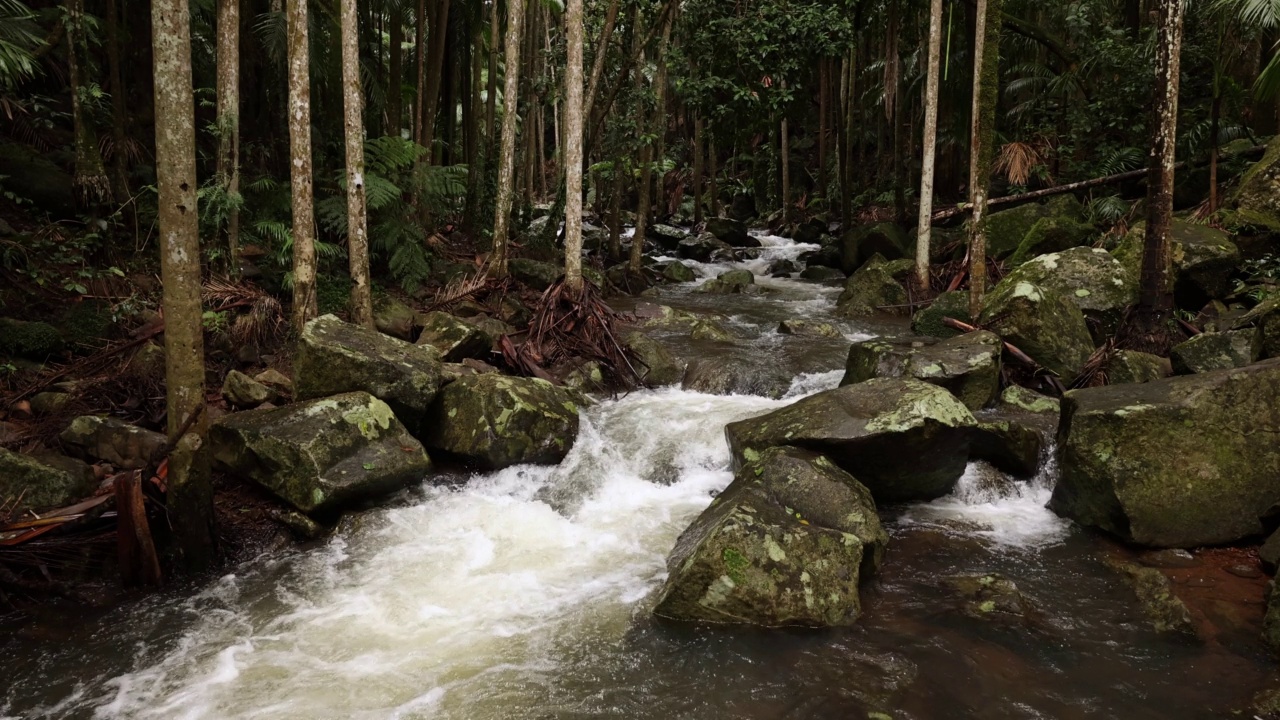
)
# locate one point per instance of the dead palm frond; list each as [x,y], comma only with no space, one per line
[458,289]
[1017,160]
[265,317]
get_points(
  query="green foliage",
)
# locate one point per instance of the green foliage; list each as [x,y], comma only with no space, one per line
[19,37]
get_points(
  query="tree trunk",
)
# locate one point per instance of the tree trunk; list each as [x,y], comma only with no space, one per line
[491,82]
[420,57]
[822,127]
[634,261]
[986,87]
[602,52]
[714,172]
[353,127]
[90,181]
[304,230]
[697,170]
[395,95]
[784,158]
[615,212]
[1155,297]
[189,498]
[229,121]
[925,222]
[119,116]
[435,75]
[573,146]
[1215,121]
[507,154]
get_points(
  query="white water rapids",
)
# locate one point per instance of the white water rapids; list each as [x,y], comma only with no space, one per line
[513,595]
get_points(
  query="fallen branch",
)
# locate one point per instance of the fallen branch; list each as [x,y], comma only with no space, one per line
[85,364]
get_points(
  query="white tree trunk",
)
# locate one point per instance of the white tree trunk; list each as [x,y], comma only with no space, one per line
[304,229]
[507,153]
[229,119]
[925,226]
[353,124]
[573,146]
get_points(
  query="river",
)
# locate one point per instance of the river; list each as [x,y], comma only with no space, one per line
[525,594]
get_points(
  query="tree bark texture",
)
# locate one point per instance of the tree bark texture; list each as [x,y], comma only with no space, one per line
[924,226]
[229,120]
[304,229]
[986,88]
[353,126]
[507,153]
[1156,291]
[573,146]
[90,180]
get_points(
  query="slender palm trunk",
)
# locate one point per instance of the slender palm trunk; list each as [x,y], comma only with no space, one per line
[304,232]
[642,195]
[90,180]
[229,120]
[784,158]
[119,116]
[713,172]
[507,154]
[353,126]
[395,72]
[925,219]
[420,59]
[190,493]
[986,86]
[573,146]
[697,170]
[435,75]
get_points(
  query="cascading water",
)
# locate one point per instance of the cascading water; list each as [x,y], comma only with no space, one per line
[525,594]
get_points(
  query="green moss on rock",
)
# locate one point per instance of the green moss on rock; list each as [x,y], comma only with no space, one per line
[493,421]
[1217,351]
[1042,323]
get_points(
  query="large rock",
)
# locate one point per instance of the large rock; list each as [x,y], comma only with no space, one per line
[967,365]
[535,274]
[1020,398]
[717,376]
[1090,278]
[454,338]
[1007,229]
[393,317]
[929,321]
[1009,444]
[731,231]
[873,289]
[32,340]
[1217,351]
[658,366]
[1052,234]
[1181,462]
[700,248]
[786,544]
[242,391]
[1131,366]
[1258,198]
[678,272]
[730,282]
[904,439]
[1041,323]
[104,439]
[859,245]
[1266,317]
[321,456]
[1204,260]
[809,328]
[335,357]
[493,421]
[31,483]
[665,236]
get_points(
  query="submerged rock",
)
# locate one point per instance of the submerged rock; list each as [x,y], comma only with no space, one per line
[1041,323]
[493,421]
[718,376]
[455,339]
[967,365]
[127,447]
[335,357]
[321,456]
[786,544]
[1216,351]
[989,597]
[904,439]
[41,483]
[1165,611]
[1181,462]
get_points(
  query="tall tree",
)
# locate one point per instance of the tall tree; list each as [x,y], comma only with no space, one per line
[90,179]
[353,125]
[925,222]
[573,146]
[190,497]
[1155,298]
[507,152]
[986,90]
[304,229]
[229,121]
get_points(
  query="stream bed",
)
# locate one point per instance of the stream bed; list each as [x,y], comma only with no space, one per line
[525,594]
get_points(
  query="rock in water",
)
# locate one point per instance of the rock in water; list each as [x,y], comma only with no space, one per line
[1092,280]
[678,272]
[335,357]
[732,282]
[967,365]
[664,236]
[1181,462]
[454,338]
[786,544]
[904,439]
[873,289]
[659,367]
[723,376]
[1011,446]
[1041,323]
[1217,351]
[30,483]
[701,248]
[321,456]
[494,421]
[128,447]
[809,328]
[731,231]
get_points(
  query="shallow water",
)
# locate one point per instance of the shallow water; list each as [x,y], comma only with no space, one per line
[525,594]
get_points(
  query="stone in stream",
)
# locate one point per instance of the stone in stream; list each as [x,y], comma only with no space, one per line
[809,328]
[822,273]
[967,365]
[244,392]
[1204,259]
[700,248]
[731,231]
[718,376]
[929,321]
[859,245]
[1131,366]
[537,275]
[1181,462]
[781,268]
[904,439]
[1096,283]
[1041,323]
[678,272]
[493,421]
[657,365]
[1052,234]
[665,236]
[874,288]
[336,357]
[1266,317]
[454,338]
[1012,446]
[321,456]
[127,447]
[730,282]
[1216,351]
[28,482]
[990,597]
[1021,398]
[709,329]
[786,544]
[1164,610]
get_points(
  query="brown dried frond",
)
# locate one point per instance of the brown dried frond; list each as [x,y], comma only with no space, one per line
[264,319]
[458,289]
[1017,160]
[1094,373]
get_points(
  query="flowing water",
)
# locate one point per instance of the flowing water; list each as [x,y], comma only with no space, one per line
[525,594]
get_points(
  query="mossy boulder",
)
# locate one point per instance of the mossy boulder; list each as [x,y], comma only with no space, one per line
[827,256]
[718,376]
[858,245]
[1131,366]
[822,273]
[1020,398]
[491,422]
[1204,260]
[1181,462]
[537,275]
[966,365]
[1163,609]
[1052,234]
[394,318]
[1094,281]
[1008,444]
[454,338]
[733,232]
[1266,317]
[1041,323]
[1257,200]
[335,357]
[114,441]
[40,483]
[31,340]
[665,236]
[1217,351]
[904,439]
[929,321]
[872,289]
[700,248]
[678,272]
[885,357]
[321,456]
[786,544]
[1007,229]
[709,329]
[731,282]
[657,365]
[242,391]
[809,328]
[989,597]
